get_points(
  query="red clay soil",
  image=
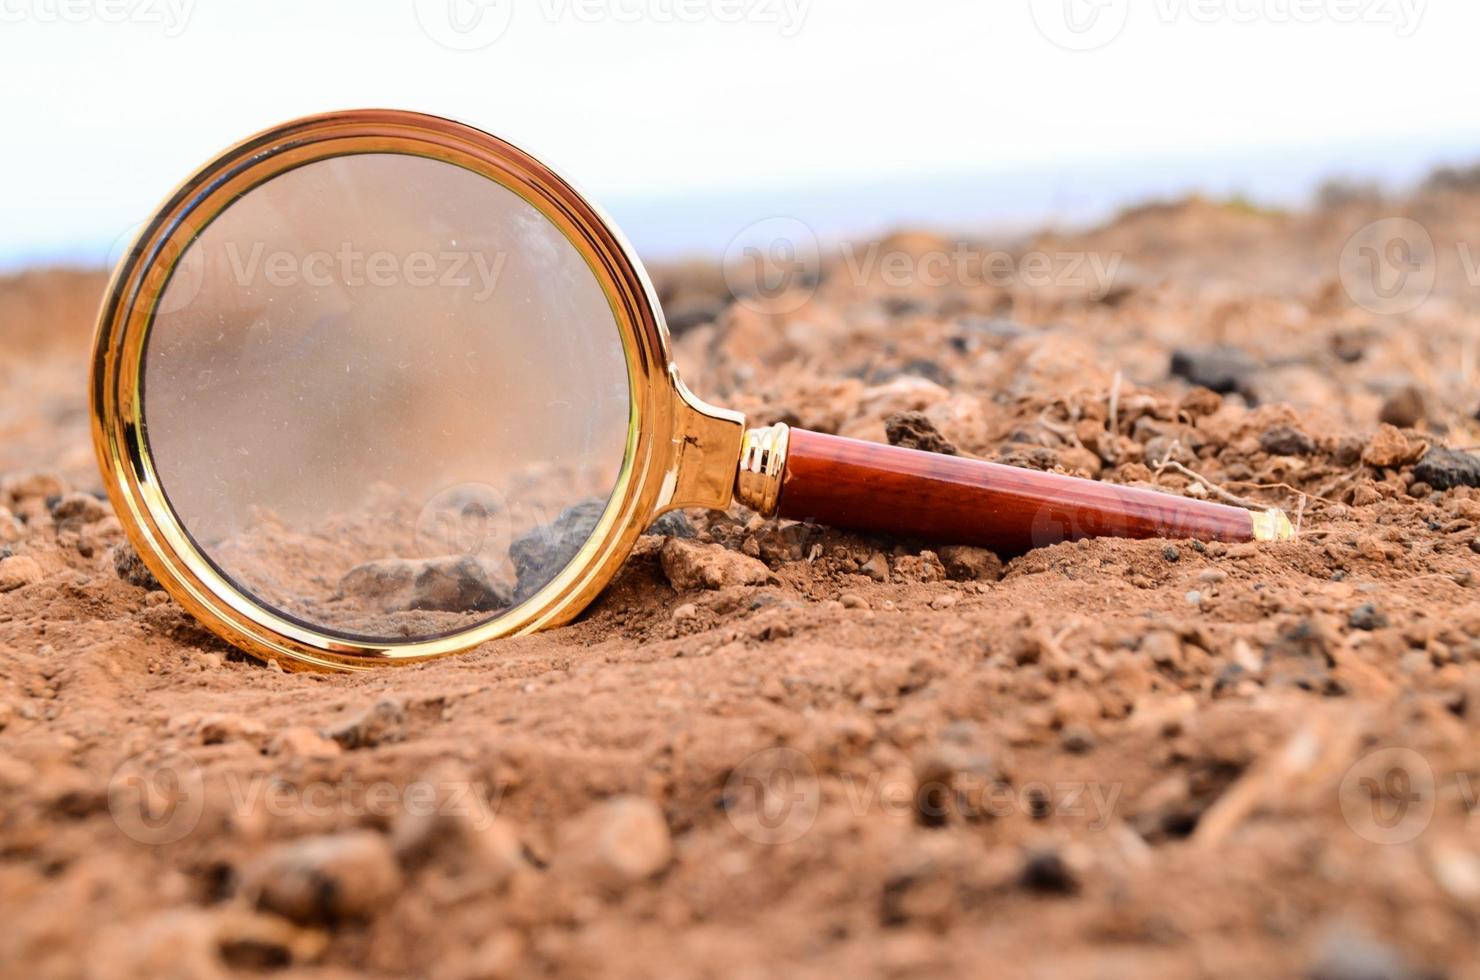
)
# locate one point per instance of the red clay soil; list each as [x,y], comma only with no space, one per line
[784,750]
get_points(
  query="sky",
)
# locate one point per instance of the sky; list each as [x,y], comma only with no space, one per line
[690,120]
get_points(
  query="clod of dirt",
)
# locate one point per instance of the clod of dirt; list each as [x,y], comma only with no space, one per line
[1404,408]
[616,843]
[966,563]
[1445,469]
[690,565]
[914,430]
[1221,369]
[1286,440]
[383,721]
[128,566]
[454,584]
[325,879]
[1389,447]
[18,571]
[26,486]
[73,510]
[476,844]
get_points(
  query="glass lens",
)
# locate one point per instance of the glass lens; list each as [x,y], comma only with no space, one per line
[386,396]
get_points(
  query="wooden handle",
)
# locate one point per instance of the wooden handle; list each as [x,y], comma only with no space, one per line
[869,487]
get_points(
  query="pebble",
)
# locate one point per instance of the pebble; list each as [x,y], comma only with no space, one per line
[691,565]
[384,721]
[1170,553]
[876,568]
[1193,597]
[1286,440]
[451,584]
[851,601]
[685,612]
[1445,469]
[1046,872]
[128,566]
[1220,369]
[1162,647]
[73,510]
[616,843]
[1404,408]
[18,571]
[914,430]
[326,878]
[1212,575]
[944,601]
[1345,955]
[1367,617]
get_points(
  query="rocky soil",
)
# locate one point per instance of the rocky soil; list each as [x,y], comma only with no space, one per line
[784,750]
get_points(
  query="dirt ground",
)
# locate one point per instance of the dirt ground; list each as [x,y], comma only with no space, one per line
[870,756]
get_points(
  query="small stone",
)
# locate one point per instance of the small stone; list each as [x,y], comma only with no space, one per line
[451,584]
[851,601]
[1419,489]
[383,721]
[1367,617]
[685,612]
[1170,553]
[128,566]
[876,568]
[965,563]
[944,601]
[1404,408]
[1212,575]
[671,525]
[1445,469]
[1193,597]
[914,430]
[18,571]
[1220,369]
[616,843]
[691,565]
[1389,447]
[325,879]
[1286,440]
[1345,955]
[1046,872]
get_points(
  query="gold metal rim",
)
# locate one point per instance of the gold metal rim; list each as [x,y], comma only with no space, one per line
[662,417]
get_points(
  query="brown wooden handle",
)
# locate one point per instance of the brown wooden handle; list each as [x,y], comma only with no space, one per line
[869,487]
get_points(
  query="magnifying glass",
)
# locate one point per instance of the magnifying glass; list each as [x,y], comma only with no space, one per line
[375,386]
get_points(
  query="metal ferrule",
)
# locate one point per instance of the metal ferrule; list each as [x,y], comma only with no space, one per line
[762,462]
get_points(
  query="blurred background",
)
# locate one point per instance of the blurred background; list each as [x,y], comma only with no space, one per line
[690,120]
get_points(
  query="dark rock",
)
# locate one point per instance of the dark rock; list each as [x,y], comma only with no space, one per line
[1047,873]
[1286,440]
[671,525]
[912,430]
[967,563]
[1367,617]
[1404,408]
[1445,469]
[1222,369]
[1170,553]
[539,554]
[128,566]
[1028,457]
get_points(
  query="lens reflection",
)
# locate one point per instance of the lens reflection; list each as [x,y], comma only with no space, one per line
[394,403]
